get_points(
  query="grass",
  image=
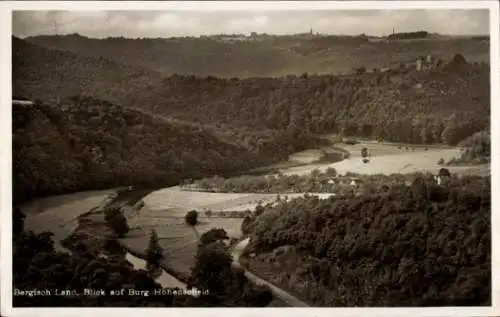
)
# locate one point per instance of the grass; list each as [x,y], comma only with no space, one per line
[387,159]
[165,210]
[178,240]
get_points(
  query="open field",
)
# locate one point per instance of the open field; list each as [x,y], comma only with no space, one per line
[165,210]
[179,241]
[388,159]
[176,202]
[306,156]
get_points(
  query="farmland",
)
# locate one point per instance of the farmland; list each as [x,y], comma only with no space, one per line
[165,208]
[389,159]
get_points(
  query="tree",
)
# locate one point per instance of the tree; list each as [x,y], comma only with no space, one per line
[17,221]
[420,189]
[213,235]
[208,213]
[154,252]
[191,217]
[361,70]
[331,172]
[364,152]
[212,268]
[117,221]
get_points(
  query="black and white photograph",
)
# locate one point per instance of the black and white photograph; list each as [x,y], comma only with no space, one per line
[200,156]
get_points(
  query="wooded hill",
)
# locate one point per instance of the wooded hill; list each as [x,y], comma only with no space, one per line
[447,104]
[265,55]
[84,143]
[403,247]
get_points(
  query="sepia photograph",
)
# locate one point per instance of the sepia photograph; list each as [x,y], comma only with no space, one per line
[275,157]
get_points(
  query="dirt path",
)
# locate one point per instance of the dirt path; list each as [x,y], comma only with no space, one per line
[278,292]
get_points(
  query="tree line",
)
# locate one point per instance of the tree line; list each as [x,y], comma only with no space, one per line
[327,181]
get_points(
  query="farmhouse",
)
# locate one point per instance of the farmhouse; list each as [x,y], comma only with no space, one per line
[355,182]
[443,176]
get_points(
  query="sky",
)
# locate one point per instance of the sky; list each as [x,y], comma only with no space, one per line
[135,24]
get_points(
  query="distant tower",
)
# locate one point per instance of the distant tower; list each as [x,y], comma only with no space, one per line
[311,32]
[56,28]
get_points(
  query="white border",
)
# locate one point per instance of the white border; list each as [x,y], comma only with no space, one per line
[6,155]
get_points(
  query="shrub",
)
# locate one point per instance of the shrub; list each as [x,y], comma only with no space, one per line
[154,252]
[191,217]
[117,221]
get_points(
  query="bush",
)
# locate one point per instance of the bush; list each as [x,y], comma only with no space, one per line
[213,235]
[191,218]
[117,221]
[441,161]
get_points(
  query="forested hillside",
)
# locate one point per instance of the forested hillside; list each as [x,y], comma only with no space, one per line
[40,73]
[83,143]
[265,55]
[409,246]
[46,74]
[406,106]
[447,104]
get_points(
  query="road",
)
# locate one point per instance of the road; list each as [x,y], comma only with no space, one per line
[278,292]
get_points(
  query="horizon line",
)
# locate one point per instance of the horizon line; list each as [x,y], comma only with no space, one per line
[249,35]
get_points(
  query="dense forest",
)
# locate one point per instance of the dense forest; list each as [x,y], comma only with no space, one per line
[282,114]
[82,143]
[423,245]
[446,105]
[263,55]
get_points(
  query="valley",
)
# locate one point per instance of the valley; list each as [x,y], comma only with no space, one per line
[276,171]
